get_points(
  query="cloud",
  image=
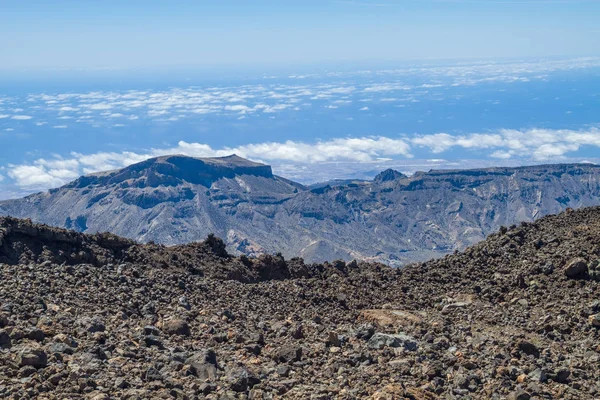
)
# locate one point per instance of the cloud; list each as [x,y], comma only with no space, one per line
[506,145]
[406,84]
[43,173]
[39,176]
[60,126]
[538,144]
[21,117]
[2,116]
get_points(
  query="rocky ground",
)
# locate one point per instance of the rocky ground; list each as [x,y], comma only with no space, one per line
[100,317]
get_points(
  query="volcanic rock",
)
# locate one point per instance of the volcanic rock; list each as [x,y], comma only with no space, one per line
[520,332]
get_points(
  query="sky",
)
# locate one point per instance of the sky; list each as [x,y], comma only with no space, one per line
[318,89]
[200,33]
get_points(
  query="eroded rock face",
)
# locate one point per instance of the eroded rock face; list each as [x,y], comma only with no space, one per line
[97,316]
[176,199]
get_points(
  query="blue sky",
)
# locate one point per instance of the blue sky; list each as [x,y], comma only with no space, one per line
[318,89]
[153,34]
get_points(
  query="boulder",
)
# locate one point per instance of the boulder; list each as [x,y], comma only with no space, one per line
[576,268]
[176,327]
[35,357]
[203,364]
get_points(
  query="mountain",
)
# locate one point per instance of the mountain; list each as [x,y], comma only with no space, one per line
[394,218]
[516,316]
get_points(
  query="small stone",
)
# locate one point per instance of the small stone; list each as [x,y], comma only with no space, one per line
[184,303]
[594,320]
[151,330]
[151,340]
[519,394]
[62,338]
[333,339]
[121,383]
[298,332]
[365,332]
[528,348]
[60,348]
[91,325]
[56,378]
[537,375]
[283,370]
[207,388]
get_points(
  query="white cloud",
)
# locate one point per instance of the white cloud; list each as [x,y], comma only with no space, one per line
[539,144]
[2,116]
[364,109]
[21,117]
[39,176]
[536,145]
[60,126]
[43,173]
[242,109]
[68,108]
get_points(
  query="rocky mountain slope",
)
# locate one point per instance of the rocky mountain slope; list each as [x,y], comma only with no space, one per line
[393,219]
[101,317]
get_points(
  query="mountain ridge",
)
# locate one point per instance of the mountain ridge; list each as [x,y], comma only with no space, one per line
[394,218]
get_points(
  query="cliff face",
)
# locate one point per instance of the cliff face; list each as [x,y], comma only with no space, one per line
[394,218]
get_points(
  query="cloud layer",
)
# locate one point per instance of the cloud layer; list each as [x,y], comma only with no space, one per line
[536,145]
[271,95]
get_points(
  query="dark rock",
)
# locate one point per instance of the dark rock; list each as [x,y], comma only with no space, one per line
[287,354]
[150,340]
[365,332]
[538,375]
[5,340]
[203,364]
[151,330]
[176,327]
[519,394]
[35,334]
[207,388]
[35,357]
[528,348]
[561,375]
[576,268]
[121,383]
[333,339]
[91,325]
